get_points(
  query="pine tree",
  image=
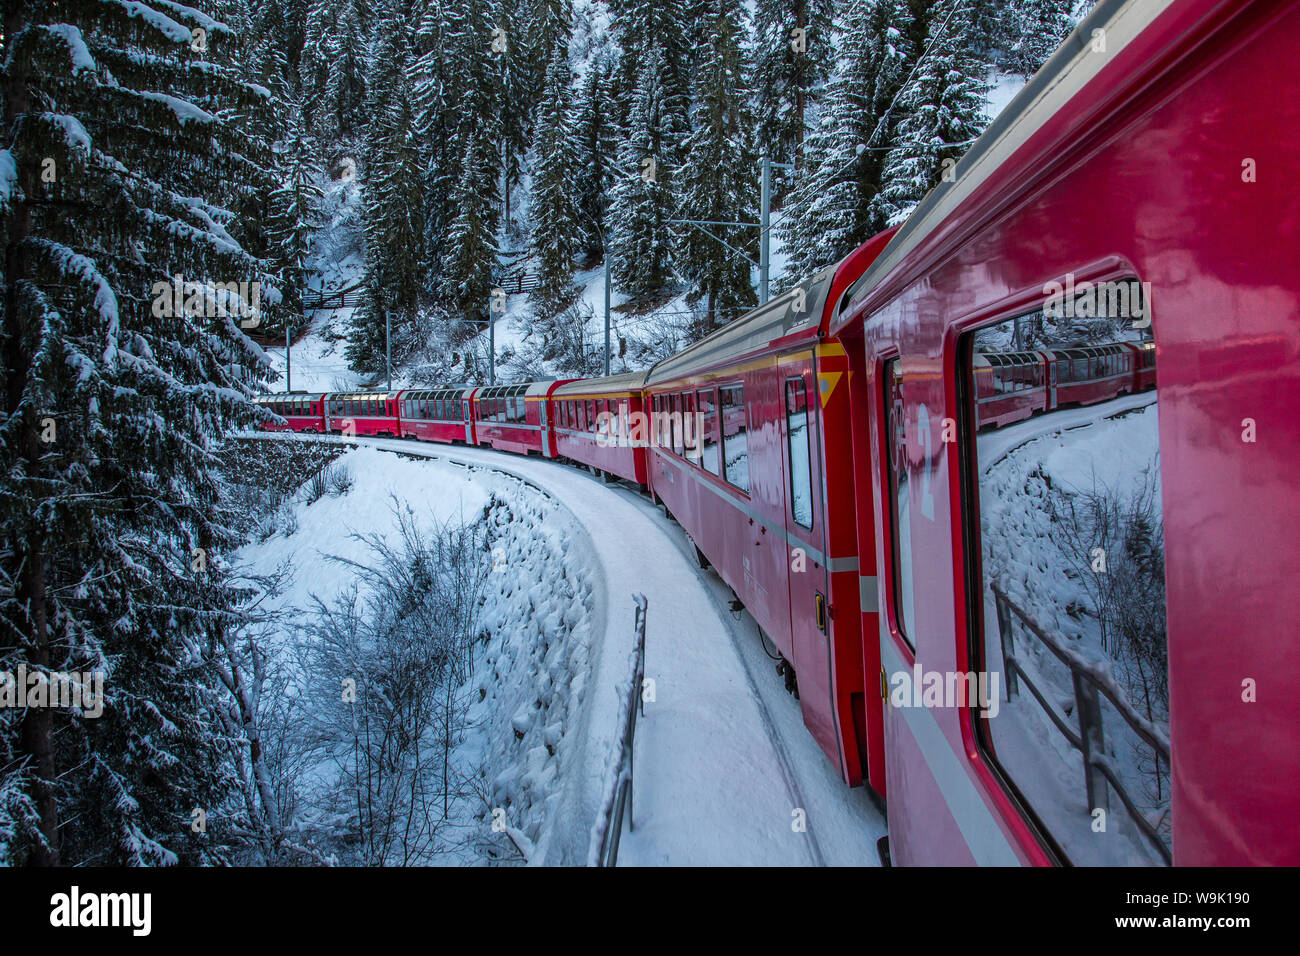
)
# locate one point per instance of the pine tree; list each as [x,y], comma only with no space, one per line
[1035,29]
[116,160]
[557,235]
[941,113]
[788,69]
[596,145]
[468,197]
[829,212]
[293,211]
[346,65]
[655,57]
[394,201]
[717,181]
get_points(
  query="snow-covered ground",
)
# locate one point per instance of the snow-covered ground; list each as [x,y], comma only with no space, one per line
[723,761]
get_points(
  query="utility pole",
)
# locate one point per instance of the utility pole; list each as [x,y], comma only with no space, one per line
[388,346]
[288,360]
[607,257]
[765,224]
[492,348]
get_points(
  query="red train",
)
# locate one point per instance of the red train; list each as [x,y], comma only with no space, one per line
[1036,600]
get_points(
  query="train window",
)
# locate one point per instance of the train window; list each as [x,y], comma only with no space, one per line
[591,415]
[799,440]
[708,430]
[690,428]
[900,500]
[675,422]
[1068,594]
[735,437]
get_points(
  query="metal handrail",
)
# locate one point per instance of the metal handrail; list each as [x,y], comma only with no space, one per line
[608,829]
[1090,740]
[348,297]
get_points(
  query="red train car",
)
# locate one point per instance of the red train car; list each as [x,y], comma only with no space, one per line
[741,456]
[601,423]
[1090,373]
[362,413]
[515,418]
[301,411]
[1010,386]
[1081,611]
[437,414]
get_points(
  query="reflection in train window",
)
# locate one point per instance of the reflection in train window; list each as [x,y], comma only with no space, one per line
[799,441]
[900,494]
[735,441]
[1066,477]
[709,430]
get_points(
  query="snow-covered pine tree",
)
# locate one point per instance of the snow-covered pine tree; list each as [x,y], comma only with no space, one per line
[596,148]
[556,233]
[941,112]
[717,181]
[115,160]
[828,213]
[788,70]
[293,211]
[342,106]
[520,81]
[314,62]
[468,198]
[1035,29]
[655,56]
[394,202]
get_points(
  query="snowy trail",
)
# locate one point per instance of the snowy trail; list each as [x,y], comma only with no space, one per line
[723,761]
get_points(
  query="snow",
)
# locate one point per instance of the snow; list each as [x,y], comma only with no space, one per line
[1003,88]
[723,761]
[163,24]
[77,49]
[1020,464]
[8,177]
[184,110]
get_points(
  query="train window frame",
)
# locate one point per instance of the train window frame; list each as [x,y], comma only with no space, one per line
[798,380]
[1098,364]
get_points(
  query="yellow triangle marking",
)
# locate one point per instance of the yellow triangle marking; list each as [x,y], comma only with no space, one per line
[826,384]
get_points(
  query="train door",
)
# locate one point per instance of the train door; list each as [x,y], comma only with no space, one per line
[469,420]
[805,559]
[544,422]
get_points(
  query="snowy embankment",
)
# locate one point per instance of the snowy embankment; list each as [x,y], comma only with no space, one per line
[723,762]
[526,725]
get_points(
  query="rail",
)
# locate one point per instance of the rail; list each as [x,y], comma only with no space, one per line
[516,283]
[608,829]
[344,298]
[1089,740]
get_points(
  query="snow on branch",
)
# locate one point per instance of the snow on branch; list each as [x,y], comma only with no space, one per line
[82,61]
[160,22]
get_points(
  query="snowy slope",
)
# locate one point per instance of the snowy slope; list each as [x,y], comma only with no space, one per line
[723,759]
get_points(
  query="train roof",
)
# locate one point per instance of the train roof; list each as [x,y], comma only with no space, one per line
[1068,71]
[350,396]
[285,396]
[798,309]
[623,382]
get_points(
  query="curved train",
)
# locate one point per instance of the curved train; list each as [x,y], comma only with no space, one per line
[1037,602]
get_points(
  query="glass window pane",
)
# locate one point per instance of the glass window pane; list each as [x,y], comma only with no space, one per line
[709,430]
[735,427]
[900,491]
[799,439]
[1073,635]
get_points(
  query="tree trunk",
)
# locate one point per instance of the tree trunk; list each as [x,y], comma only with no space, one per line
[38,723]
